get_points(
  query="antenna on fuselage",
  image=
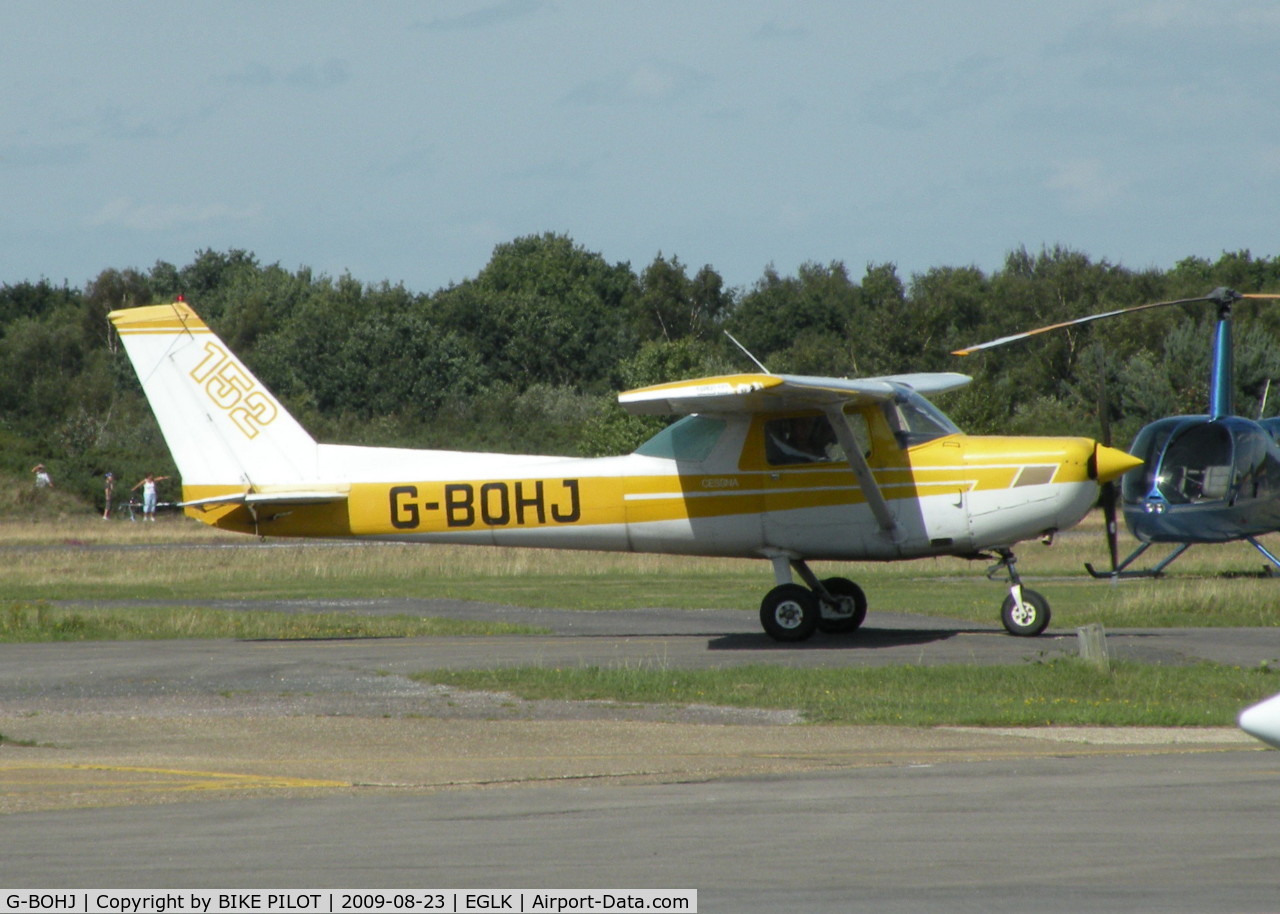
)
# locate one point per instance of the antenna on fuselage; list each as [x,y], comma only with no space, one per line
[747,352]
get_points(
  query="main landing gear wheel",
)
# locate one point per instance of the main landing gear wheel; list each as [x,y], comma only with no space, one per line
[1027,620]
[789,612]
[849,598]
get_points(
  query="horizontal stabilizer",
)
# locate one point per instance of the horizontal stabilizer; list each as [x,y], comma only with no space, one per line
[267,498]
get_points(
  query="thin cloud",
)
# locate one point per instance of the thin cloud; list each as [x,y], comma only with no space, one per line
[37,155]
[773,30]
[123,212]
[325,75]
[332,72]
[917,98]
[411,161]
[1084,185]
[485,17]
[1183,15]
[648,82]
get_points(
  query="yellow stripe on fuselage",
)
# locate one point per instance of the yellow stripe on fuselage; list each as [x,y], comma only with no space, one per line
[450,506]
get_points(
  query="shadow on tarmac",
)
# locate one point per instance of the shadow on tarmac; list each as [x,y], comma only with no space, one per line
[865,638]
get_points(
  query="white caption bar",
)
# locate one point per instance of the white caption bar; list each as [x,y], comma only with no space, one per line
[416,901]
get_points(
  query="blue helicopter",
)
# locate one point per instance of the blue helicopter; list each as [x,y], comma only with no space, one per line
[1211,478]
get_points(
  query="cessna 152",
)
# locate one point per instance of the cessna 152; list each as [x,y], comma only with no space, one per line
[787,468]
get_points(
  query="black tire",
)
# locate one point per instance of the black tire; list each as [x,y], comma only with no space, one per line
[789,612]
[1031,621]
[843,589]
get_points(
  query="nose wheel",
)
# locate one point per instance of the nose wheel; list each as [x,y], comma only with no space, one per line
[1024,612]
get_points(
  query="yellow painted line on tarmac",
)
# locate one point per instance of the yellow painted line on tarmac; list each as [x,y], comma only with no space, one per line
[204,780]
[131,777]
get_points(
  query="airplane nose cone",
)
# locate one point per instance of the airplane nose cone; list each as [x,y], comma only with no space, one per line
[1110,462]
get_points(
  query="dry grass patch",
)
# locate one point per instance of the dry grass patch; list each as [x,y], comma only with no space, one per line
[39,622]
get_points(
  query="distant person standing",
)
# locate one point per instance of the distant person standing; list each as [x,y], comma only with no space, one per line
[148,486]
[42,477]
[108,492]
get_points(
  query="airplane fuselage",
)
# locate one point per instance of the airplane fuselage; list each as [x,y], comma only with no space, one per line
[955,494]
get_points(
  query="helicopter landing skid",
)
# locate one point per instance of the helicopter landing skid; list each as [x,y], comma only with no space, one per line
[1271,570]
[1119,570]
[1275,562]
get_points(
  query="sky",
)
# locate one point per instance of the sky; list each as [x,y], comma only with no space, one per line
[402,142]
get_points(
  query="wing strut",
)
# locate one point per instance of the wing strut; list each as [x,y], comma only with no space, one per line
[866,480]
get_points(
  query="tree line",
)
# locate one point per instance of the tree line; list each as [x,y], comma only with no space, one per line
[528,355]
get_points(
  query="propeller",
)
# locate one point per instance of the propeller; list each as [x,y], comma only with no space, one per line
[1108,495]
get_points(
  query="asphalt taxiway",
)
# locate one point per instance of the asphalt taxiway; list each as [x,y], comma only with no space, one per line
[235,764]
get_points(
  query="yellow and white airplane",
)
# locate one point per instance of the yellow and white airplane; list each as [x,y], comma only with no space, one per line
[781,467]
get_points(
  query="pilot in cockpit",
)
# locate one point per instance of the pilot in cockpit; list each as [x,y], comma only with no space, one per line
[799,439]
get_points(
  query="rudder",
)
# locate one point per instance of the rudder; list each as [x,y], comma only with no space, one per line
[226,431]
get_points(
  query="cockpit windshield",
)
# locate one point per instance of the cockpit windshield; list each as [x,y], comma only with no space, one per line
[914,420]
[1196,459]
[1186,460]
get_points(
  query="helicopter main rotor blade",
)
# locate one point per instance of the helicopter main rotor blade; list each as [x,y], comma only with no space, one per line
[1220,296]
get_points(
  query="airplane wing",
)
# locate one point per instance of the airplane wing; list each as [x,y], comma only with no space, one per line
[769,392]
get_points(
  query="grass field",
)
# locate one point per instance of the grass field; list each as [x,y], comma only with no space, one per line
[38,621]
[184,561]
[87,559]
[1065,692]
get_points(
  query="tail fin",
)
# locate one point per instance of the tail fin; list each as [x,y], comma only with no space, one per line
[225,430]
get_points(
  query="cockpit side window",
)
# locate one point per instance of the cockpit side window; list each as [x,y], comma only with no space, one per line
[809,438]
[861,429]
[1196,464]
[800,439]
[691,439]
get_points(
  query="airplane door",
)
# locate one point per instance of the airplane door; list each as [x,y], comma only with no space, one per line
[814,504]
[809,491]
[930,493]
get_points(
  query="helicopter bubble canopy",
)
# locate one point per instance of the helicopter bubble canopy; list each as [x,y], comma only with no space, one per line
[1193,460]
